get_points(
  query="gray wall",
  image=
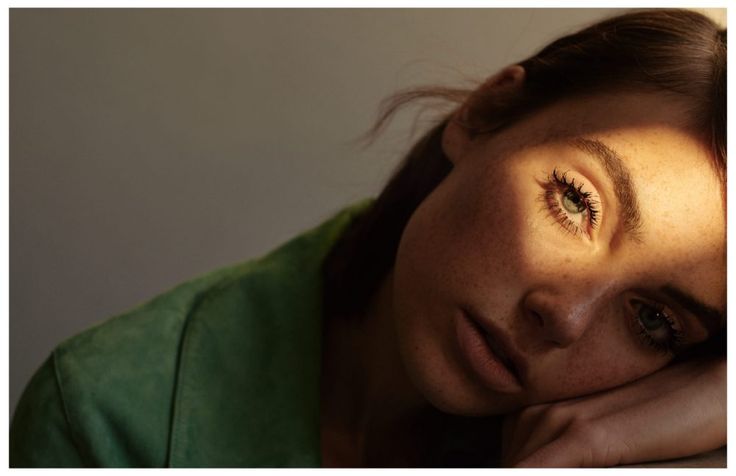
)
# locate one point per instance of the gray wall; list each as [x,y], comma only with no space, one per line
[150,146]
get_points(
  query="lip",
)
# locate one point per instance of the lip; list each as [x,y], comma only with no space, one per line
[490,354]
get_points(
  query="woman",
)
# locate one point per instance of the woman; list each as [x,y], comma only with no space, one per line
[551,256]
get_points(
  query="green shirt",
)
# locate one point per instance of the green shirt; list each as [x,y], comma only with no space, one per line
[221,371]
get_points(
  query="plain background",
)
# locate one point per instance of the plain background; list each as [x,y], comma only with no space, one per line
[150,146]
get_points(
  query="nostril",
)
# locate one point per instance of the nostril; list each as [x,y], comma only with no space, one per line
[533,308]
[560,318]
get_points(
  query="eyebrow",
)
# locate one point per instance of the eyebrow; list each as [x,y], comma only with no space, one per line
[619,174]
[709,317]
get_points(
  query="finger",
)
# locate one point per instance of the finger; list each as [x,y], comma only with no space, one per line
[587,447]
[556,454]
[534,428]
[542,436]
[518,430]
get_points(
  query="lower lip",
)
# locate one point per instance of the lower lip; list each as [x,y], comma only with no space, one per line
[484,362]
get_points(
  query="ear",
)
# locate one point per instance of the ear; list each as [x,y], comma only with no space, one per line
[456,138]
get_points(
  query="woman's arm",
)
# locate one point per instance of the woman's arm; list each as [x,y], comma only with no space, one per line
[676,412]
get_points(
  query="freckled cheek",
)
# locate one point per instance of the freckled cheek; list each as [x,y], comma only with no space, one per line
[480,227]
[596,365]
[590,370]
[511,220]
[535,246]
[497,234]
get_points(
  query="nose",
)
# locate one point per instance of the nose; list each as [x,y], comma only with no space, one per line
[561,318]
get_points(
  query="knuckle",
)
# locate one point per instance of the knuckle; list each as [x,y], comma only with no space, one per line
[557,415]
[532,412]
[588,434]
[591,443]
[536,409]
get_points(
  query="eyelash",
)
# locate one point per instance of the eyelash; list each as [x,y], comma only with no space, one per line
[671,342]
[558,184]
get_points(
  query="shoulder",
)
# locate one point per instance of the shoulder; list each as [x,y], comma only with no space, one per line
[126,387]
[109,388]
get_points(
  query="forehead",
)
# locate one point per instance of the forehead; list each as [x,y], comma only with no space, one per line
[683,226]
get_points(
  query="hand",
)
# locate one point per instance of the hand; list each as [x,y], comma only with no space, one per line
[678,411]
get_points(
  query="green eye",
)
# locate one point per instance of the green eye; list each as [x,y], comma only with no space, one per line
[572,202]
[574,208]
[655,326]
[651,318]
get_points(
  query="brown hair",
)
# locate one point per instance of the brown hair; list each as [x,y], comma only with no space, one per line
[679,52]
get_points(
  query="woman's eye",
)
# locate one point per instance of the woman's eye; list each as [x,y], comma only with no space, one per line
[655,326]
[572,202]
[571,205]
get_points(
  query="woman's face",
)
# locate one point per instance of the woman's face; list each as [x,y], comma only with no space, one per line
[588,241]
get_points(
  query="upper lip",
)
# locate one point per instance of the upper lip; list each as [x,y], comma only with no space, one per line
[514,360]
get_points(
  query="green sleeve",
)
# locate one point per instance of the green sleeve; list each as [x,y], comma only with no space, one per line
[40,434]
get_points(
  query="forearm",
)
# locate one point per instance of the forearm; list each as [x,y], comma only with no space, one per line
[676,412]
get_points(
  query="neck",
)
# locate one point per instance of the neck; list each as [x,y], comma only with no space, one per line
[371,415]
